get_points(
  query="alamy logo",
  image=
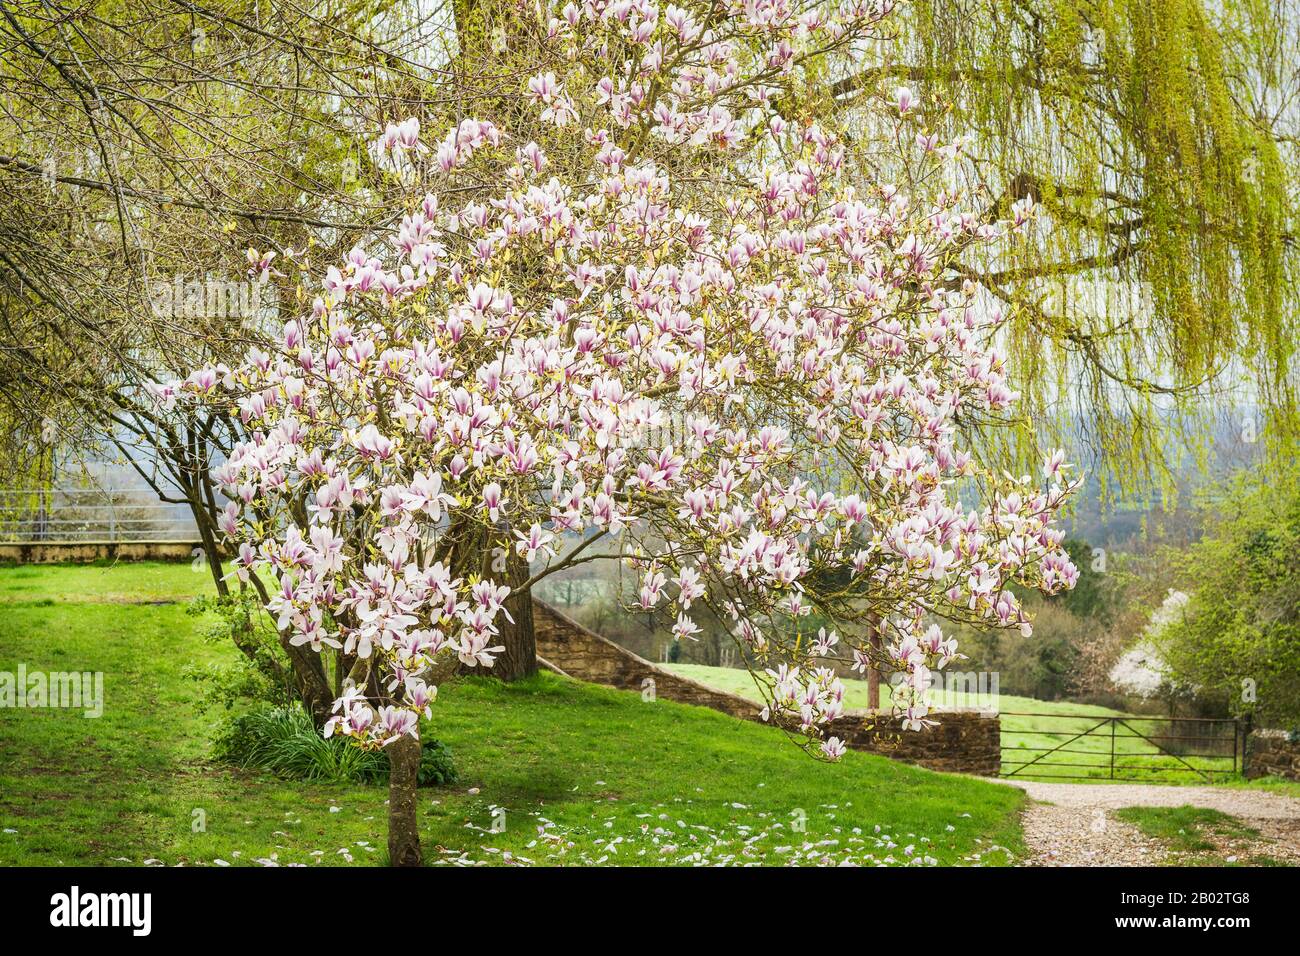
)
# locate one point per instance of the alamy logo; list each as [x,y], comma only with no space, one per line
[207,298]
[959,690]
[75,690]
[103,909]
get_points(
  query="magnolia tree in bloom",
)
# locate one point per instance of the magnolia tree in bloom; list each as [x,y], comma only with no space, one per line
[672,244]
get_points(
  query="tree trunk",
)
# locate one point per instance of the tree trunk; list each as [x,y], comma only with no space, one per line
[519,659]
[403,826]
[310,682]
[873,669]
[492,554]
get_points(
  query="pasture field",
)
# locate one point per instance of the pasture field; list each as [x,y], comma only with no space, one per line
[1030,727]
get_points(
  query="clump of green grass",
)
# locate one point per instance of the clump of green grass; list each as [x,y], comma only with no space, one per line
[1195,834]
[284,741]
[1185,829]
[1290,788]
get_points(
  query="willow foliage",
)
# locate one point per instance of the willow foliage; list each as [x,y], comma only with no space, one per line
[1159,137]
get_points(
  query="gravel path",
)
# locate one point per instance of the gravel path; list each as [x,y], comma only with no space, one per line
[1064,836]
[1071,824]
[1256,804]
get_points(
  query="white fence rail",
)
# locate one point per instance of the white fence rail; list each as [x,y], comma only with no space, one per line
[78,515]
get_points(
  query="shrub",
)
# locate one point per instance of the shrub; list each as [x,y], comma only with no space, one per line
[250,677]
[284,741]
[1238,640]
[436,767]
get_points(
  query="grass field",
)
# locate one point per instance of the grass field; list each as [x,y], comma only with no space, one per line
[582,773]
[1033,727]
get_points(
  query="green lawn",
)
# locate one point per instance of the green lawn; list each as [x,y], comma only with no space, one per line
[584,774]
[1033,727]
[738,681]
[139,582]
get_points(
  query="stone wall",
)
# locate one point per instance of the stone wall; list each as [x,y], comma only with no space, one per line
[84,552]
[1270,754]
[963,741]
[569,647]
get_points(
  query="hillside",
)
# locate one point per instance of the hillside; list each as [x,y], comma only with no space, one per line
[584,773]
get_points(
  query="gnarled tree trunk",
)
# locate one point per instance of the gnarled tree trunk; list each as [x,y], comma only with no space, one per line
[519,659]
[492,554]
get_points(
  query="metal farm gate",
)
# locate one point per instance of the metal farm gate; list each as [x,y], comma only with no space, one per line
[1121,747]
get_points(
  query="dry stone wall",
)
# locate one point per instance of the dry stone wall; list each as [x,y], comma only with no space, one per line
[1272,753]
[962,742]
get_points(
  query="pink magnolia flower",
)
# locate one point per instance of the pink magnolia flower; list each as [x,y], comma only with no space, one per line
[833,748]
[395,722]
[685,628]
[537,541]
[492,500]
[426,495]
